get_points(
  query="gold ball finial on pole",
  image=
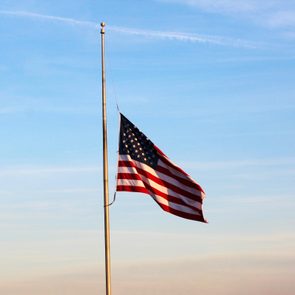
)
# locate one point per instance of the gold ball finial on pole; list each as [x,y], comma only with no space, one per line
[102,24]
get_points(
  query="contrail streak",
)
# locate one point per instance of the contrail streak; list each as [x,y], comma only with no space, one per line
[180,36]
[164,35]
[33,15]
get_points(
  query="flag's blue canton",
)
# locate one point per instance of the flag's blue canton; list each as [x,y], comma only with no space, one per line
[136,144]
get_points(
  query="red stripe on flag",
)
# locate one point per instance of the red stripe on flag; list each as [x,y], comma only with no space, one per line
[154,191]
[179,190]
[182,214]
[128,188]
[188,182]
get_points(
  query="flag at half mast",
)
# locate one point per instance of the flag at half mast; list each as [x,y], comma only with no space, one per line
[144,168]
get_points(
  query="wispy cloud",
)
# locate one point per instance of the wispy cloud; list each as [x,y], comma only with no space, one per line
[282,19]
[10,110]
[14,105]
[48,109]
[273,13]
[47,170]
[230,164]
[161,35]
[281,200]
[289,35]
[187,37]
[224,5]
[32,15]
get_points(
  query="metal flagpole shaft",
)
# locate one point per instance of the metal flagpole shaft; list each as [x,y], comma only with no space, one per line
[105,170]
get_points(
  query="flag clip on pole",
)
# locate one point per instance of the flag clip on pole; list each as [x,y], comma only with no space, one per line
[105,168]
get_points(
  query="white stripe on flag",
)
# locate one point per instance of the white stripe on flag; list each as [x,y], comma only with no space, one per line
[162,189]
[159,199]
[162,176]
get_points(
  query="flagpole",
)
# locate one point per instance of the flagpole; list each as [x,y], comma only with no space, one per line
[105,169]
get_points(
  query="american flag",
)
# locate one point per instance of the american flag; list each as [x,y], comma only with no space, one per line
[144,168]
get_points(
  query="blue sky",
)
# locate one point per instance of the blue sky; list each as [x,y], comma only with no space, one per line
[210,82]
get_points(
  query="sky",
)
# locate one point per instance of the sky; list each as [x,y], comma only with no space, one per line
[209,82]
